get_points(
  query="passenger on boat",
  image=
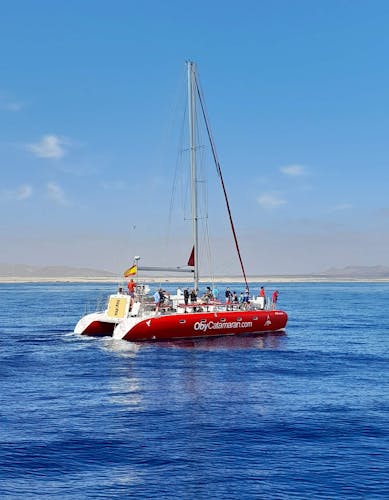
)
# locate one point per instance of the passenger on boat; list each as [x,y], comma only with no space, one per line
[208,294]
[215,292]
[131,285]
[262,296]
[274,298]
[166,299]
[158,299]
[193,298]
[186,298]
[228,298]
[246,299]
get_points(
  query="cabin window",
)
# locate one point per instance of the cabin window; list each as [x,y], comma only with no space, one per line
[238,319]
[182,321]
[222,320]
[255,318]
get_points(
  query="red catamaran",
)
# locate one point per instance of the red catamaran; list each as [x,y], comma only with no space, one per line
[135,318]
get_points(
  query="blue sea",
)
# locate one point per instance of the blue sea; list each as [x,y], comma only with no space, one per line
[297,416]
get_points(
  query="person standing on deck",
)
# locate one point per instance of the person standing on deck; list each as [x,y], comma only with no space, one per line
[131,285]
[262,296]
[274,298]
[193,295]
[228,298]
[186,298]
[193,298]
[158,299]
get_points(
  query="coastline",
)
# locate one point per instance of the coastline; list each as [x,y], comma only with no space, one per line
[216,279]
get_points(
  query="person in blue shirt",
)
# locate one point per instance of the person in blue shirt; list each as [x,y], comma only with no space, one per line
[158,299]
[246,299]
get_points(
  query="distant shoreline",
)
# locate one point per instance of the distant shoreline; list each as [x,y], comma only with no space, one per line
[206,279]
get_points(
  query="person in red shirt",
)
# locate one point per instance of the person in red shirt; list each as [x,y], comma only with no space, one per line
[274,298]
[131,285]
[262,296]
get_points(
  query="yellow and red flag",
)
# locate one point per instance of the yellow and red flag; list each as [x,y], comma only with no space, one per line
[130,271]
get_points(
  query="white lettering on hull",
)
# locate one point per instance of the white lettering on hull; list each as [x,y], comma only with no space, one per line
[211,325]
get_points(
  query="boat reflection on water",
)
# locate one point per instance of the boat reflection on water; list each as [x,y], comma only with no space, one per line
[255,341]
[273,340]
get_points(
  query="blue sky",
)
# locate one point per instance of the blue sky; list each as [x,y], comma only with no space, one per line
[297,93]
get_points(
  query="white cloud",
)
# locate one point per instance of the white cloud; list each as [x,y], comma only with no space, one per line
[56,194]
[21,193]
[50,146]
[293,170]
[24,192]
[270,200]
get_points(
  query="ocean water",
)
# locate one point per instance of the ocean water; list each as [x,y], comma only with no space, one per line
[301,415]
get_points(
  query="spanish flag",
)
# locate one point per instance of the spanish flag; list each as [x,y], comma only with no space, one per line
[130,271]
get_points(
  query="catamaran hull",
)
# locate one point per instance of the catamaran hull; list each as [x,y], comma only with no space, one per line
[95,325]
[200,325]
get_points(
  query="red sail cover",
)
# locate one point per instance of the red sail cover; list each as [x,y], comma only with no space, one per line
[191,261]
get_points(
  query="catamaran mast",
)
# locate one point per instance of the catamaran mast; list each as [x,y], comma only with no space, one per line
[219,171]
[191,67]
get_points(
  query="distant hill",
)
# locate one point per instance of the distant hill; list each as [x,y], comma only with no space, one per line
[26,271]
[362,272]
